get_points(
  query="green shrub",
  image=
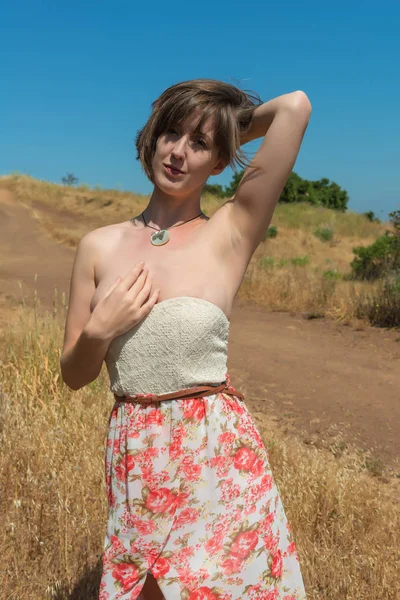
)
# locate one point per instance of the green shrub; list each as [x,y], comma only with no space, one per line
[396,284]
[325,234]
[332,274]
[267,261]
[300,260]
[371,216]
[271,232]
[378,260]
[383,308]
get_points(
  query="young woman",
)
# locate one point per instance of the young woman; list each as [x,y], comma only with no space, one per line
[194,511]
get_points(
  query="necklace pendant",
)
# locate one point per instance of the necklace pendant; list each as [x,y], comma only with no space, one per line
[159,238]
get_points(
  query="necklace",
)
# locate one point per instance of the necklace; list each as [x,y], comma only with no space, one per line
[163,236]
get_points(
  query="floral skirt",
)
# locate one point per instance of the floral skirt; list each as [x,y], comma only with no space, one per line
[192,499]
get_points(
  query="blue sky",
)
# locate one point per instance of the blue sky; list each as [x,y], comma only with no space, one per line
[78,79]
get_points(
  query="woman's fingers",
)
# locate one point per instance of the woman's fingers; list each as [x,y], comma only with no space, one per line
[131,276]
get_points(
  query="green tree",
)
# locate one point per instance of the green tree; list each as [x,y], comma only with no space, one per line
[290,191]
[321,192]
[395,219]
[231,189]
[215,189]
[371,216]
[69,179]
[330,194]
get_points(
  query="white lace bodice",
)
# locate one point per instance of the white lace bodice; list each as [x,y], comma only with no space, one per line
[182,342]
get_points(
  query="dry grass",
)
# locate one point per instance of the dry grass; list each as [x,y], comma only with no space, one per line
[53,502]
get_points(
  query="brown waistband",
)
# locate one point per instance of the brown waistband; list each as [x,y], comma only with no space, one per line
[193,392]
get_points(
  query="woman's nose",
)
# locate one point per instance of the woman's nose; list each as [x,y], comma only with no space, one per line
[179,147]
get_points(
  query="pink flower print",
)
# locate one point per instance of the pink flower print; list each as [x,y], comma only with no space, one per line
[227,439]
[244,459]
[116,548]
[110,495]
[149,454]
[291,549]
[214,544]
[269,542]
[116,446]
[222,465]
[175,449]
[160,501]
[244,543]
[266,483]
[230,405]
[230,491]
[160,567]
[127,574]
[184,555]
[187,577]
[203,593]
[180,499]
[258,467]
[104,595]
[154,417]
[194,409]
[127,463]
[251,508]
[192,472]
[188,515]
[145,527]
[231,565]
[276,567]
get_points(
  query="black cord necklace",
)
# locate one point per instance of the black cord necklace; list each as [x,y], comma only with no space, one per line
[162,236]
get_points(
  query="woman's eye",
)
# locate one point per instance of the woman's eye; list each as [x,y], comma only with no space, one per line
[200,141]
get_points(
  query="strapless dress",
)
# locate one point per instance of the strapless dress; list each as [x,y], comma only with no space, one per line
[181,343]
[191,496]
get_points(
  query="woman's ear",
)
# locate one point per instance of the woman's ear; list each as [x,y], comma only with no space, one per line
[219,167]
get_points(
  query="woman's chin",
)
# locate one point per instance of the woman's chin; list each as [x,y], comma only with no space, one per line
[166,185]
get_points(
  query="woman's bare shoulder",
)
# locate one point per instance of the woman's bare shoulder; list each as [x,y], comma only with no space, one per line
[103,239]
[114,231]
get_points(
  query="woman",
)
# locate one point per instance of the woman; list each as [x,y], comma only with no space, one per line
[193,508]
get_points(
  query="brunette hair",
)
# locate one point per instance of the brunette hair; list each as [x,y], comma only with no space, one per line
[230,108]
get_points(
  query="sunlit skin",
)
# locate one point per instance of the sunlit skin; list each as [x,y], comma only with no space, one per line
[176,199]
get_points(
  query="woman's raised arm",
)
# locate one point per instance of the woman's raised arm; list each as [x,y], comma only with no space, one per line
[282,121]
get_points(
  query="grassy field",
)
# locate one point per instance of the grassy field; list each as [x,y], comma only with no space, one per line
[346,523]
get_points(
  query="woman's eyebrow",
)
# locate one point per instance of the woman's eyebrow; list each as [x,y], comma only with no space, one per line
[201,133]
[205,135]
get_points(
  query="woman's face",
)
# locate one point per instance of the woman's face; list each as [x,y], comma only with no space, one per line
[194,155]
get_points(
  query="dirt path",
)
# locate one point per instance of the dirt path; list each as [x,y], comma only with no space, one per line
[317,377]
[25,250]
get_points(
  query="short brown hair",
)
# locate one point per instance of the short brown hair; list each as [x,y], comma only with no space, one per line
[230,108]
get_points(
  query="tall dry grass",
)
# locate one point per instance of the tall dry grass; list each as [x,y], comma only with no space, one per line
[53,509]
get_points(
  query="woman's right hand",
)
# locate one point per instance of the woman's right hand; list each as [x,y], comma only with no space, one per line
[125,303]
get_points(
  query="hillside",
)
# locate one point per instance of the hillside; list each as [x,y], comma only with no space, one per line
[295,271]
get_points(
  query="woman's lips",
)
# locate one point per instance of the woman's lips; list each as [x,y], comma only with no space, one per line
[172,171]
